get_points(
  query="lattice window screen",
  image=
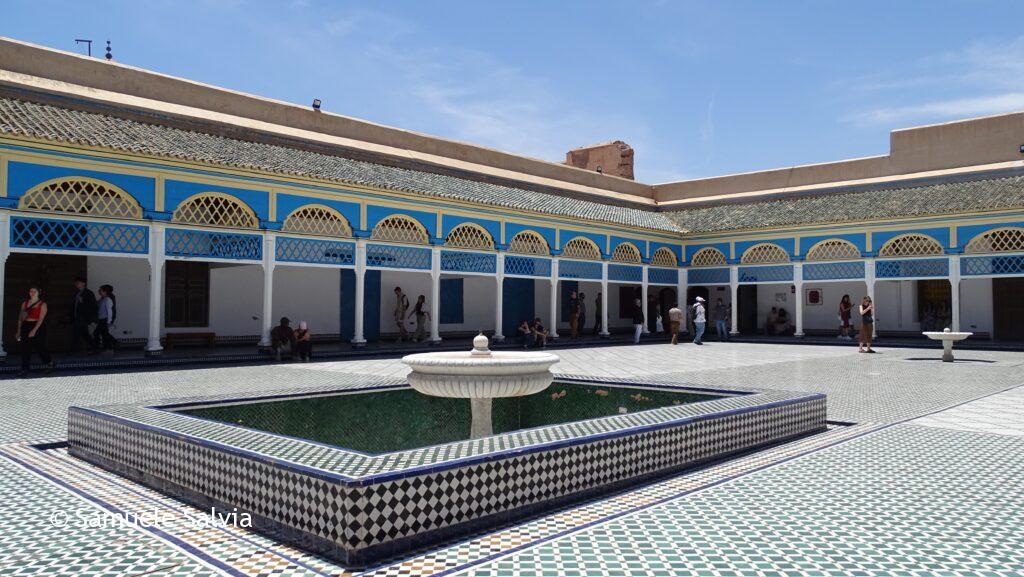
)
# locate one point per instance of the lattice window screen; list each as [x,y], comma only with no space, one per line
[833,249]
[215,209]
[708,257]
[82,196]
[766,253]
[626,252]
[999,240]
[664,257]
[528,242]
[400,229]
[580,247]
[469,236]
[911,245]
[317,219]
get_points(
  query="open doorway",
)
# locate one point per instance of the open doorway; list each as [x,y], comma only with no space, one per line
[55,276]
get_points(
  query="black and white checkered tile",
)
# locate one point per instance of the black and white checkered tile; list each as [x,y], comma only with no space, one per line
[356,520]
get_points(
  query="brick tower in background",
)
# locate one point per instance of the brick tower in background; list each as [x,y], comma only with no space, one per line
[614,158]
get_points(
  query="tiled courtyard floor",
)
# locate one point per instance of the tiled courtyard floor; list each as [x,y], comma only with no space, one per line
[929,481]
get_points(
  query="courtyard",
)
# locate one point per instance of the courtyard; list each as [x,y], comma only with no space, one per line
[921,472]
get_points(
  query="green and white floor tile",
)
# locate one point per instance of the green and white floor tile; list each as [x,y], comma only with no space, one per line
[940,495]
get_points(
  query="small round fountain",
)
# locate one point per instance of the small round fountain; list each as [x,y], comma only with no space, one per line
[948,338]
[480,375]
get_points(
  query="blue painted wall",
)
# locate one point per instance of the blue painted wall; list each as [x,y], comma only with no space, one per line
[858,239]
[512,229]
[22,176]
[452,301]
[693,249]
[565,235]
[448,222]
[517,305]
[787,244]
[288,203]
[964,234]
[375,214]
[176,191]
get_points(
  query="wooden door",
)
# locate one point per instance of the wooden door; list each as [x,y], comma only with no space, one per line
[55,276]
[1008,308]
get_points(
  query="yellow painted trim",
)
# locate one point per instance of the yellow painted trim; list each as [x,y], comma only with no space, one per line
[869,241]
[323,207]
[159,194]
[282,180]
[272,211]
[3,175]
[588,241]
[952,236]
[483,230]
[120,191]
[438,226]
[416,223]
[796,245]
[501,230]
[216,194]
[558,239]
[362,216]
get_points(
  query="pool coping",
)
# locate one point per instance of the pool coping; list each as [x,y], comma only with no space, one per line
[146,416]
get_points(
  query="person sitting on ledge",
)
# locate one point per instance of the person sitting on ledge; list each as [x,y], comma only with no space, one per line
[540,334]
[525,333]
[282,338]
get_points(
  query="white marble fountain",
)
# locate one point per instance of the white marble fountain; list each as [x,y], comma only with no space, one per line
[948,338]
[480,375]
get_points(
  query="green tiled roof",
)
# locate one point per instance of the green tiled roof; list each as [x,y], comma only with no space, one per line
[864,205]
[18,117]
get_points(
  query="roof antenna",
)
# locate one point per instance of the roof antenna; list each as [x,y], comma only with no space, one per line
[109,55]
[88,44]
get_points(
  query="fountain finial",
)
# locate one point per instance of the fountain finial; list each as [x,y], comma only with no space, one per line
[480,346]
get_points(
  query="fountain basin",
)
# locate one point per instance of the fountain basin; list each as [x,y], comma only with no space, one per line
[947,337]
[303,483]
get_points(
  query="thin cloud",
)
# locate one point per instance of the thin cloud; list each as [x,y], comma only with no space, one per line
[982,79]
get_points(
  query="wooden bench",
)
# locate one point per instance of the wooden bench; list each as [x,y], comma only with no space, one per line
[172,339]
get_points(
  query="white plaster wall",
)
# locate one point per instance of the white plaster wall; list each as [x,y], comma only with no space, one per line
[478,301]
[766,300]
[310,294]
[236,296]
[976,313]
[614,322]
[542,300]
[130,279]
[825,317]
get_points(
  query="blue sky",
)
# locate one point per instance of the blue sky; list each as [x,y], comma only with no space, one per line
[698,89]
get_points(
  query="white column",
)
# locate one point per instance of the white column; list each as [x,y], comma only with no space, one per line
[734,289]
[604,300]
[954,291]
[643,299]
[499,297]
[269,245]
[435,294]
[681,296]
[869,280]
[358,340]
[156,287]
[553,332]
[798,283]
[5,251]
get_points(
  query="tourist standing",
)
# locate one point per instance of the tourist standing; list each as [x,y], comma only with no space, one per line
[401,306]
[771,321]
[583,313]
[106,315]
[421,314]
[699,321]
[574,315]
[83,314]
[845,309]
[718,314]
[304,342]
[638,320]
[598,304]
[675,320]
[31,331]
[867,325]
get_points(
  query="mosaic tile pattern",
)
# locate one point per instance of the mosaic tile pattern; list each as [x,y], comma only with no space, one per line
[1001,414]
[905,501]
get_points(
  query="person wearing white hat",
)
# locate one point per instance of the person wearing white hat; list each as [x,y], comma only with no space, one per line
[699,321]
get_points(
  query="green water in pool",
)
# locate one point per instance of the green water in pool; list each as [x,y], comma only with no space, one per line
[384,421]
